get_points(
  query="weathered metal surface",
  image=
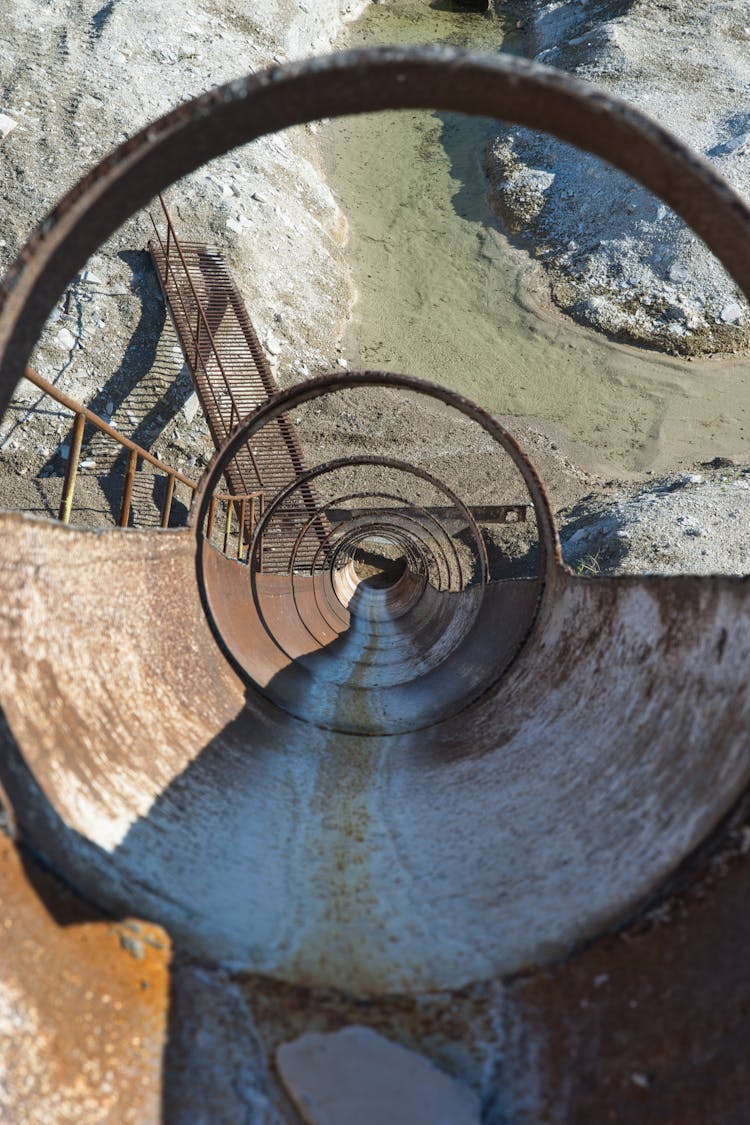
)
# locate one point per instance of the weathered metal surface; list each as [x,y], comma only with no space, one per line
[83,1005]
[229,368]
[648,1025]
[397,664]
[162,786]
[483,513]
[505,837]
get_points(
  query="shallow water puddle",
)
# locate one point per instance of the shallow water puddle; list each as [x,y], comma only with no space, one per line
[444,295]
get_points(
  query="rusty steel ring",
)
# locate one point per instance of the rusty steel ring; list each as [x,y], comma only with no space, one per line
[290,401]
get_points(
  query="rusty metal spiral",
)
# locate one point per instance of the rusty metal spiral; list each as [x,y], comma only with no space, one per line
[408,652]
[525,823]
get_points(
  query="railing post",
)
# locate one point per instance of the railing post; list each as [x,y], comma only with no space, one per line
[228,526]
[127,495]
[71,469]
[211,516]
[166,508]
[241,530]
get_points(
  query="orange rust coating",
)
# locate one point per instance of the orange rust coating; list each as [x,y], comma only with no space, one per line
[83,1021]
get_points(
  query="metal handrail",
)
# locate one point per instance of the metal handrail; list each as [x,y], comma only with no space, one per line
[168,268]
[136,453]
[235,414]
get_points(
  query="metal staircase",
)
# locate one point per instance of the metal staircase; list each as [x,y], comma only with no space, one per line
[231,376]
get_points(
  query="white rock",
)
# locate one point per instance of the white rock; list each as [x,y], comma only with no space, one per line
[191,408]
[272,344]
[7,125]
[90,278]
[731,313]
[357,1075]
[66,339]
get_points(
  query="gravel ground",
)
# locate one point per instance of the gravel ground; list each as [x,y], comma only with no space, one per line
[697,523]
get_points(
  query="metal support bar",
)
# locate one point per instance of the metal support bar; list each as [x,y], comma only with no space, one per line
[166,509]
[211,517]
[127,495]
[240,538]
[71,468]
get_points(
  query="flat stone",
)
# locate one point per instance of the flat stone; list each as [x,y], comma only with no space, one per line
[678,272]
[90,278]
[7,124]
[358,1075]
[191,408]
[272,344]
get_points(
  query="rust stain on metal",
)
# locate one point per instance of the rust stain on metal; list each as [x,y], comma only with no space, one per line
[83,1004]
[377,859]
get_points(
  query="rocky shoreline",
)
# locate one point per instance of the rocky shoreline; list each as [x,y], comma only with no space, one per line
[616,258]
